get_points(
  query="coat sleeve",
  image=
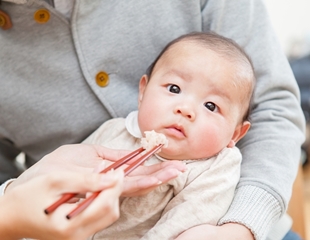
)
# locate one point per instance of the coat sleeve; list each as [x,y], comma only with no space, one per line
[271,148]
[8,168]
[204,199]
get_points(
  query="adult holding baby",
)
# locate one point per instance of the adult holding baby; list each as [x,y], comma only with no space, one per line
[82,65]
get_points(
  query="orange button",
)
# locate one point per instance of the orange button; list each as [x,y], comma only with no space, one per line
[41,16]
[2,21]
[102,79]
[5,20]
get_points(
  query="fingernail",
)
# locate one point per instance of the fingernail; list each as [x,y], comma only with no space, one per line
[119,172]
[109,176]
[179,173]
[100,167]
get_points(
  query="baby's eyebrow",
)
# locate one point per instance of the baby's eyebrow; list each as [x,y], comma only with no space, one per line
[180,74]
[221,92]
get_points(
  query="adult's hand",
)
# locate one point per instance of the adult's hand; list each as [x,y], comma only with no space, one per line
[146,178]
[84,158]
[22,208]
[228,231]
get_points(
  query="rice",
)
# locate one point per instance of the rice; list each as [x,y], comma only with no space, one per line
[153,139]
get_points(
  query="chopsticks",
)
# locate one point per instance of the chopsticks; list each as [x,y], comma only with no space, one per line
[67,196]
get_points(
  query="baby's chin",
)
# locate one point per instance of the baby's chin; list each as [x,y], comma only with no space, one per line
[170,154]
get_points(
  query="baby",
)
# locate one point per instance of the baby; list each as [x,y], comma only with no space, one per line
[197,93]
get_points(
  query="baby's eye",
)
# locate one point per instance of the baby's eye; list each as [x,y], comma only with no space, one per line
[173,88]
[211,106]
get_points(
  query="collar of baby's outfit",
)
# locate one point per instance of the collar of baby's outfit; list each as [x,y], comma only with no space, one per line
[132,126]
[4,186]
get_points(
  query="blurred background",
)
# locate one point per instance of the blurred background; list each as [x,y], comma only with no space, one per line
[291,21]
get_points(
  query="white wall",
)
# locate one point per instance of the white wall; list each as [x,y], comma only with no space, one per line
[291,20]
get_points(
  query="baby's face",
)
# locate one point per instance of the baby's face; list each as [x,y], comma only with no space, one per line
[193,100]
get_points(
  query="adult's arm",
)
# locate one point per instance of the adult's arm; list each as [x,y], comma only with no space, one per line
[271,148]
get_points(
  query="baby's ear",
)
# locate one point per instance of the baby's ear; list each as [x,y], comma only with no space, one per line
[239,133]
[142,86]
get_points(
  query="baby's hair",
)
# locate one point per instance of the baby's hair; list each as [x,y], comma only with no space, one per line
[226,48]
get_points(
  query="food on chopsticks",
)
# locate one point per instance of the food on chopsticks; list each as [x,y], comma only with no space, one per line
[153,139]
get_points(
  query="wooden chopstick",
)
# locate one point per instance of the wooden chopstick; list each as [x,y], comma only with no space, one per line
[128,170]
[67,196]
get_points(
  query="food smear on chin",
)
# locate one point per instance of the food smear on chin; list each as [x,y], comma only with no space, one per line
[153,139]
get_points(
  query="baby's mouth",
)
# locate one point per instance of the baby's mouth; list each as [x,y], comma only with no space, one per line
[176,130]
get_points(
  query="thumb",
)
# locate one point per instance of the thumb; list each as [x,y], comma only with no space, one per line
[110,154]
[82,183]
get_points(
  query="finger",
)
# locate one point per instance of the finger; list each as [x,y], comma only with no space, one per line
[132,186]
[137,186]
[101,166]
[75,199]
[147,170]
[139,193]
[82,183]
[103,211]
[129,191]
[110,154]
[166,174]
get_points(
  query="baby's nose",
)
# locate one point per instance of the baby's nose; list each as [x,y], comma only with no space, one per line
[186,111]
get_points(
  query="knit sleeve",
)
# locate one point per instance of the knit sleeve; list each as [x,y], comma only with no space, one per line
[254,208]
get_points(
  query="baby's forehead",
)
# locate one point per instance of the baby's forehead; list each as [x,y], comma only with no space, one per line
[186,44]
[189,50]
[201,49]
[228,54]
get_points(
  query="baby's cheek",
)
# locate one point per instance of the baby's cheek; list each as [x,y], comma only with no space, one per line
[205,150]
[145,119]
[207,145]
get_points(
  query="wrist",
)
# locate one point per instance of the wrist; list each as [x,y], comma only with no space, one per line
[7,222]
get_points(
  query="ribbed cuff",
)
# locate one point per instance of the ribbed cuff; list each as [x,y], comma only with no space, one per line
[4,185]
[254,208]
[281,228]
